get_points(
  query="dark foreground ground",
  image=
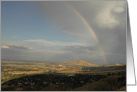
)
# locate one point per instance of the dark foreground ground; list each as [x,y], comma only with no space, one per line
[68,82]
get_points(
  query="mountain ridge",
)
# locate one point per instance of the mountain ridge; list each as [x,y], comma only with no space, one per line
[110,65]
[86,64]
[79,63]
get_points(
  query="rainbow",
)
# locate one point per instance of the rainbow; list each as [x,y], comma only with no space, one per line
[90,29]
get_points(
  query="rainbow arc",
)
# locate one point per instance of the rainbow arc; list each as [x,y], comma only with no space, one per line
[90,29]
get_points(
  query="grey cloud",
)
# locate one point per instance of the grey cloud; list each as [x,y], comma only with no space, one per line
[63,17]
[107,19]
[18,47]
[80,49]
[55,43]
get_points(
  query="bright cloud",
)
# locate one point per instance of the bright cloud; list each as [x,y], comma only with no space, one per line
[107,17]
[15,46]
[55,43]
[4,46]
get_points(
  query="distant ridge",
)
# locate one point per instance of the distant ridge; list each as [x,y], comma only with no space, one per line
[79,63]
[110,65]
[121,68]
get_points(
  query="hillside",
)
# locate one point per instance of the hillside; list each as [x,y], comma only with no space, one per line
[121,68]
[110,65]
[79,63]
[63,76]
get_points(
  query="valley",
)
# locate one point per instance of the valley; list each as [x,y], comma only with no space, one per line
[67,75]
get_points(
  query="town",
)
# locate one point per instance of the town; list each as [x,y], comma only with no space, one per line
[17,76]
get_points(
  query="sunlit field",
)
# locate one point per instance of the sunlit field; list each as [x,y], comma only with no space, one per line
[58,76]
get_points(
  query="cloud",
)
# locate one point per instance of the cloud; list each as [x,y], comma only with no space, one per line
[55,43]
[15,46]
[63,18]
[118,9]
[48,51]
[107,17]
[81,49]
[4,46]
[15,52]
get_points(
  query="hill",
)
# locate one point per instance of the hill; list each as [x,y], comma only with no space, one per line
[79,63]
[111,65]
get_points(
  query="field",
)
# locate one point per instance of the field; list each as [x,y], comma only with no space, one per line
[31,76]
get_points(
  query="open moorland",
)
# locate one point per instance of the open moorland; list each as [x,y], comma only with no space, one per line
[63,76]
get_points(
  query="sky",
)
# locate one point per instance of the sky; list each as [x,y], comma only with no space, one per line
[57,31]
